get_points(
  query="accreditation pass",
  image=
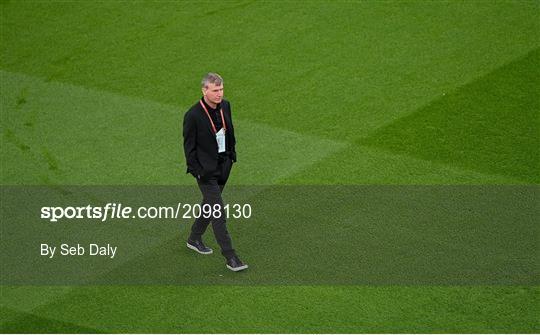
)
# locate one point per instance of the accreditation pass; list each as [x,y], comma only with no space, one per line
[220,138]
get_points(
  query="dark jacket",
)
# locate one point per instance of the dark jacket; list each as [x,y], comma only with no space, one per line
[200,146]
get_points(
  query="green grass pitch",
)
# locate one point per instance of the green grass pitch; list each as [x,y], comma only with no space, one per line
[323,93]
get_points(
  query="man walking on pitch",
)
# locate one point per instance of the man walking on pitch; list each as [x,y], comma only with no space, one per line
[209,146]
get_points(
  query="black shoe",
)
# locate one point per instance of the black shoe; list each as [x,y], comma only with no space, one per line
[235,264]
[199,247]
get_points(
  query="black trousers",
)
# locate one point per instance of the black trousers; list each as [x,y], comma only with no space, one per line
[211,187]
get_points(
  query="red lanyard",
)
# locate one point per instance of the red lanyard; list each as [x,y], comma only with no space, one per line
[209,118]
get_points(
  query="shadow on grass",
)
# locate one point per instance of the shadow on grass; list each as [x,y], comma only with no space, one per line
[490,125]
[21,322]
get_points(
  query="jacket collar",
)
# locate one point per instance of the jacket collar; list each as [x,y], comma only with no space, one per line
[218,107]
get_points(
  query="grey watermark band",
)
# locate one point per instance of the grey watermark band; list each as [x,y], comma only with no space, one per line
[295,235]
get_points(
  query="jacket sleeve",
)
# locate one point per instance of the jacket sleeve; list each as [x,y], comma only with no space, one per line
[233,144]
[190,145]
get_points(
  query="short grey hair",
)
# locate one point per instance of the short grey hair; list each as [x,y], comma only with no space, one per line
[212,78]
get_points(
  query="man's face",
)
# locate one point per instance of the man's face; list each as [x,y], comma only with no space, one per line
[213,93]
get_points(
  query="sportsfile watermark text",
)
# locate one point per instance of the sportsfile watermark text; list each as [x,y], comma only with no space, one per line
[119,211]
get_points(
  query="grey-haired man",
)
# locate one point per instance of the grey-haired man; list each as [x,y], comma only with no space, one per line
[209,147]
